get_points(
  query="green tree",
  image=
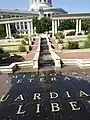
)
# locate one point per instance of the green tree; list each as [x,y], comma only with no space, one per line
[86,25]
[2,31]
[35,21]
[13,28]
[42,25]
[66,25]
[39,27]
[46,24]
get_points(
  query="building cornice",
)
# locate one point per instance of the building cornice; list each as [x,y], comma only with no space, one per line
[54,9]
[17,11]
[71,16]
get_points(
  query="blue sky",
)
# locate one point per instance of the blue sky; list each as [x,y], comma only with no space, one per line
[71,6]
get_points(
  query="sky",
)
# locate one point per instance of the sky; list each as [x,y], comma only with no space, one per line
[71,6]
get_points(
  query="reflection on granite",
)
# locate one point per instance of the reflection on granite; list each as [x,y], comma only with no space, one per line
[46,96]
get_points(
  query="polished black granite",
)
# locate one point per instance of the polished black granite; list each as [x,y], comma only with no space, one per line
[46,96]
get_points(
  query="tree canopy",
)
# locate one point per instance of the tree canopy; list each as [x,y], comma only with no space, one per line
[71,24]
[2,31]
[66,25]
[42,25]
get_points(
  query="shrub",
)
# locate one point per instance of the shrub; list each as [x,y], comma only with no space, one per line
[86,33]
[23,42]
[56,35]
[88,37]
[60,41]
[66,46]
[73,45]
[22,48]
[59,35]
[2,36]
[26,37]
[70,33]
[15,35]
[87,42]
[1,50]
[21,36]
[79,34]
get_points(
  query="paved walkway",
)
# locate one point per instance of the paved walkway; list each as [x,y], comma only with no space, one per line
[31,54]
[71,54]
[74,55]
[5,84]
[55,45]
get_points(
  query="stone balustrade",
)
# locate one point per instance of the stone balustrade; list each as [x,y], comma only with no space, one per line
[13,67]
[83,64]
[36,56]
[55,57]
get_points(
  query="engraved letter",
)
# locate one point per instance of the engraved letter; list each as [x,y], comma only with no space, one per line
[38,108]
[74,106]
[83,94]
[36,96]
[4,98]
[20,97]
[68,94]
[53,95]
[20,112]
[67,78]
[55,107]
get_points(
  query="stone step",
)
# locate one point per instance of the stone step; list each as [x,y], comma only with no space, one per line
[45,57]
[46,63]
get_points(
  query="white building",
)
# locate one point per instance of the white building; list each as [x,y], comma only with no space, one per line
[38,8]
[45,8]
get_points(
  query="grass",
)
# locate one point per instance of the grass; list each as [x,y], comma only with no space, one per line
[8,45]
[11,51]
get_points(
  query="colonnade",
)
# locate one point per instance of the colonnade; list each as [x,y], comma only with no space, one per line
[29,29]
[55,24]
[8,30]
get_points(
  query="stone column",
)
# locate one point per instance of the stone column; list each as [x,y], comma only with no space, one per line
[28,27]
[46,15]
[9,31]
[20,27]
[58,22]
[77,27]
[31,27]
[34,30]
[55,26]
[24,28]
[80,26]
[16,25]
